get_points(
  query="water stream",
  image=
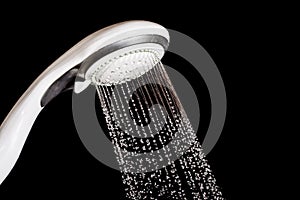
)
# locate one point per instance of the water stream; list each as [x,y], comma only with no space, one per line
[155,144]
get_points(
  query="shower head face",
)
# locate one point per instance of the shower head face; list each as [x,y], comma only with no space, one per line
[124,64]
[126,58]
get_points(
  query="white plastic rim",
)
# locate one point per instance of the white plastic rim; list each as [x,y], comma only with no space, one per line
[16,126]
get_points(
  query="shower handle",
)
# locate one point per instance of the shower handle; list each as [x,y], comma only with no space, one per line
[18,123]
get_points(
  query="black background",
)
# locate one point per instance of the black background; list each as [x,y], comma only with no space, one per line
[54,162]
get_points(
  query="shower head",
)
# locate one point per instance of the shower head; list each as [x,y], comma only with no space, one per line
[109,56]
[124,60]
[127,58]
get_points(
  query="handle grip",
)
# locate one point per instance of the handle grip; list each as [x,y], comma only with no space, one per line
[15,129]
